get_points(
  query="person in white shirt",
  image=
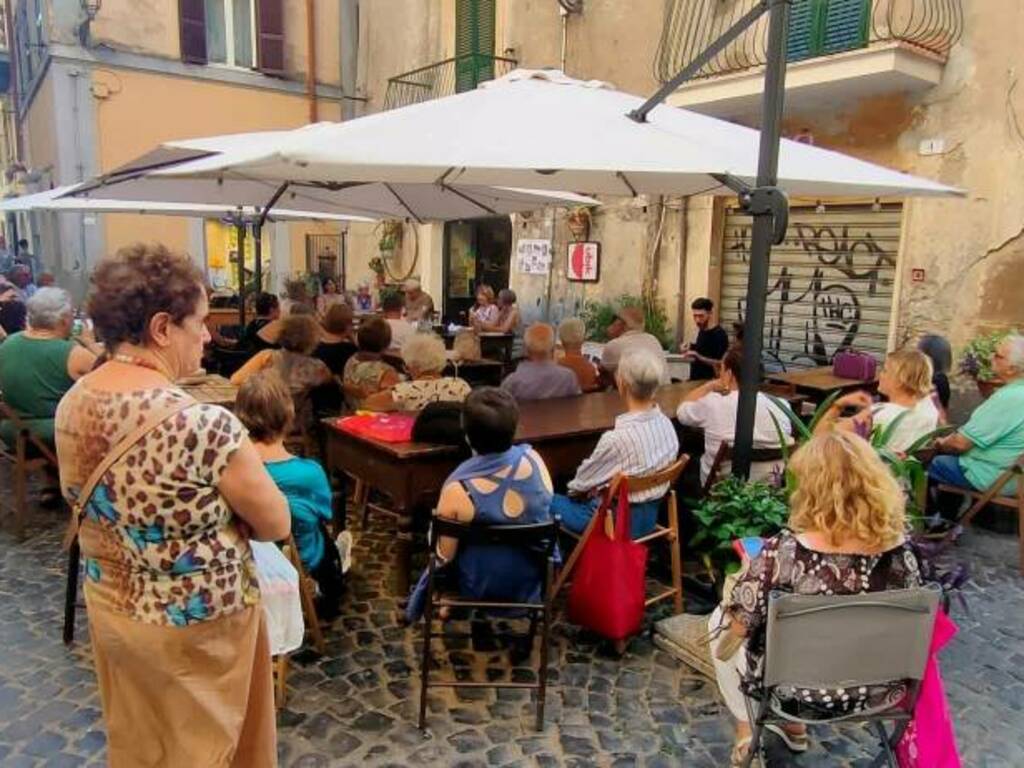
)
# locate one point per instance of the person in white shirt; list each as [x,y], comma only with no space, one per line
[906,381]
[643,442]
[712,407]
[401,329]
[627,332]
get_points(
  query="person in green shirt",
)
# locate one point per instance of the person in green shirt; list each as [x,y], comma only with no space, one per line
[38,365]
[993,438]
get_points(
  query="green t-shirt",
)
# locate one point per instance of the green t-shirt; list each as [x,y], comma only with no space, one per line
[997,430]
[33,379]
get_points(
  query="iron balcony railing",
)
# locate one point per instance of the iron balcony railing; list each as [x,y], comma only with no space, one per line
[816,28]
[455,75]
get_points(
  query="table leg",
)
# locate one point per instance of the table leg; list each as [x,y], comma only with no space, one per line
[403,548]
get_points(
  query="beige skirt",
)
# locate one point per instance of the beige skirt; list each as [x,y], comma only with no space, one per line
[193,696]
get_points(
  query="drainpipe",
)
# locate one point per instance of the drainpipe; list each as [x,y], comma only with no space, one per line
[311,59]
[565,34]
[348,17]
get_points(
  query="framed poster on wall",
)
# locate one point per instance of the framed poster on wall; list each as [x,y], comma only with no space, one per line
[583,264]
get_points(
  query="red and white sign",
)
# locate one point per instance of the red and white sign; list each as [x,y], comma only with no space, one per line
[584,262]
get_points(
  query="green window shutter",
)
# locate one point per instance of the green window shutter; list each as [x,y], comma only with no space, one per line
[802,40]
[846,25]
[474,43]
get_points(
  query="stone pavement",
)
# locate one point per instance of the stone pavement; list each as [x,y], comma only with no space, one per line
[357,705]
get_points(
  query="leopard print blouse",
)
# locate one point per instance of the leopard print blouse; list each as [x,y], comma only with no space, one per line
[160,543]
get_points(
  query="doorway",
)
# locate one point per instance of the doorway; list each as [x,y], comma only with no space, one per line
[476,252]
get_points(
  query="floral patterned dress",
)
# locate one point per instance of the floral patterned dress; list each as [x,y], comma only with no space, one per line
[786,565]
[179,641]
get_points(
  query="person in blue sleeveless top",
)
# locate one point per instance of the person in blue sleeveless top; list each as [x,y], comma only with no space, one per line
[502,484]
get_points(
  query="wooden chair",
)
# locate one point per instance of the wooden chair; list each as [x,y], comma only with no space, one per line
[724,456]
[992,495]
[28,454]
[307,588]
[669,533]
[539,540]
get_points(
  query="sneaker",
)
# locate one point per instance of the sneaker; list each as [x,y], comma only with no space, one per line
[344,544]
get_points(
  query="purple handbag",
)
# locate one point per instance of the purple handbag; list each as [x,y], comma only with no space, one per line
[851,364]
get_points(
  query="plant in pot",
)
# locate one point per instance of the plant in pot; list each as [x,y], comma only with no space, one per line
[376,264]
[976,361]
[598,314]
[390,237]
[579,223]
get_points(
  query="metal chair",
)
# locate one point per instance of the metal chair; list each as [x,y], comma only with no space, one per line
[992,495]
[28,454]
[537,539]
[845,641]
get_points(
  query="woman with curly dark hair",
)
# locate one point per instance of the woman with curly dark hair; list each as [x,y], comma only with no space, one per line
[166,494]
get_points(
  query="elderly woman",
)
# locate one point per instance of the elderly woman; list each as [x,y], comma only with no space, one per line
[503,484]
[366,373]
[941,354]
[363,302]
[40,364]
[485,311]
[508,318]
[572,332]
[167,494]
[425,360]
[643,442]
[846,536]
[337,342]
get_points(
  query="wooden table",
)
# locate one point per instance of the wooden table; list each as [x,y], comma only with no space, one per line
[564,432]
[211,390]
[819,383]
[475,372]
[493,346]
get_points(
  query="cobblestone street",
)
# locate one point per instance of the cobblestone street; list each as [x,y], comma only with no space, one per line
[356,706]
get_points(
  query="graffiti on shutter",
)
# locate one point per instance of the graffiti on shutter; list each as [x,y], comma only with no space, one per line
[830,283]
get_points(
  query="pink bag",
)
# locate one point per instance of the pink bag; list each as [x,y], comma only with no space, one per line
[929,741]
[851,364]
[388,428]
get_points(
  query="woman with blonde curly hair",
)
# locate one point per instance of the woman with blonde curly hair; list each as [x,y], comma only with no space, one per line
[846,535]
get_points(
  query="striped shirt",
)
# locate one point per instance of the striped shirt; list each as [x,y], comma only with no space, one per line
[642,443]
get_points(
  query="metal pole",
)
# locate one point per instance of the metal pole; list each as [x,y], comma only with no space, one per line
[257,237]
[240,231]
[761,241]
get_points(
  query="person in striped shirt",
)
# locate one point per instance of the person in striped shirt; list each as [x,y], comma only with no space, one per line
[643,442]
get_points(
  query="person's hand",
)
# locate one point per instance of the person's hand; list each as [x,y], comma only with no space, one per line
[88,335]
[859,400]
[717,385]
[684,347]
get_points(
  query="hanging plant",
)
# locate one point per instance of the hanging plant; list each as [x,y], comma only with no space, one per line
[579,222]
[390,237]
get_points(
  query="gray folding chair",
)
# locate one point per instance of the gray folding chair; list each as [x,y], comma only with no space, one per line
[845,641]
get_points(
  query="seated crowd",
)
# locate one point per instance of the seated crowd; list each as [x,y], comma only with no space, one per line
[208,480]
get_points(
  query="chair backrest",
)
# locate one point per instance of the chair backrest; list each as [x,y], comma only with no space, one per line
[724,456]
[646,482]
[21,428]
[538,537]
[844,641]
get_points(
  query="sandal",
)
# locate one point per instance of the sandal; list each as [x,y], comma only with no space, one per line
[740,750]
[795,742]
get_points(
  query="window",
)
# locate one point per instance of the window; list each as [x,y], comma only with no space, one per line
[474,43]
[822,27]
[230,32]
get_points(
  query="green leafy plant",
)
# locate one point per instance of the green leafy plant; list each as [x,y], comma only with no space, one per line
[390,236]
[976,360]
[598,314]
[735,509]
[387,291]
[377,265]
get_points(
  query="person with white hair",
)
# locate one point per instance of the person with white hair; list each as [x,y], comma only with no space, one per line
[643,442]
[38,365]
[418,303]
[993,438]
[425,360]
[572,332]
[539,377]
[628,332]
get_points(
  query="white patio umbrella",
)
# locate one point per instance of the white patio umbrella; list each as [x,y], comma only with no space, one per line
[530,130]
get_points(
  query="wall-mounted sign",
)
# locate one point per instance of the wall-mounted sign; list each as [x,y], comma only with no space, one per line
[917,275]
[533,257]
[584,262]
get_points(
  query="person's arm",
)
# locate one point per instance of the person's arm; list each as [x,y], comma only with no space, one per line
[320,489]
[598,469]
[454,504]
[253,496]
[253,365]
[80,361]
[832,418]
[955,444]
[709,386]
[381,401]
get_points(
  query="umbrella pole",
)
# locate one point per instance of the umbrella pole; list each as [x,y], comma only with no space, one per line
[240,231]
[257,238]
[769,209]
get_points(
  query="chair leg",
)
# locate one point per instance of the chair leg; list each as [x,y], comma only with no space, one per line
[571,562]
[545,638]
[280,685]
[676,556]
[20,488]
[883,737]
[71,592]
[360,496]
[428,623]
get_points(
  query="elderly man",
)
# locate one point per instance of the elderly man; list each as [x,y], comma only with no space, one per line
[418,304]
[539,377]
[643,441]
[21,276]
[627,333]
[993,438]
[40,364]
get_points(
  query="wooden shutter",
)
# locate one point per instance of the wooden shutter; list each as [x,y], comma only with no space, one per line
[845,25]
[474,43]
[192,23]
[800,43]
[270,36]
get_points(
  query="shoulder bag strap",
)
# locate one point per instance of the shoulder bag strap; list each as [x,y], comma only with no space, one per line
[131,439]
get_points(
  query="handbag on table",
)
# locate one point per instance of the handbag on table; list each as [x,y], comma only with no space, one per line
[852,364]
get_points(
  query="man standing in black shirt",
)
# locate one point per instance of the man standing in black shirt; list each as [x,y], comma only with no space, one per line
[711,345]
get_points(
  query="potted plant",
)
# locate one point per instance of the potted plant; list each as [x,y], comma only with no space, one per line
[598,314]
[976,361]
[377,265]
[390,239]
[579,223]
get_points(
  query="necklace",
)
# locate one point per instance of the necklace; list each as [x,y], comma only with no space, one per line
[140,362]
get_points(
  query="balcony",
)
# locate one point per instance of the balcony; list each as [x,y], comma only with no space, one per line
[839,52]
[455,75]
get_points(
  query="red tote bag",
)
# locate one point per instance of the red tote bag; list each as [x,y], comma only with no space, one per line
[608,586]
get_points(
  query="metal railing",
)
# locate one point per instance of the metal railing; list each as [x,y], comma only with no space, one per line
[455,75]
[817,28]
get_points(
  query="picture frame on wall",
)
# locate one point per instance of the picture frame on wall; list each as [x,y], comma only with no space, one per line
[583,262]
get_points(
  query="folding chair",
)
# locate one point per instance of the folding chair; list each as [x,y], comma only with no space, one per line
[993,496]
[28,454]
[536,539]
[845,641]
[724,457]
[670,532]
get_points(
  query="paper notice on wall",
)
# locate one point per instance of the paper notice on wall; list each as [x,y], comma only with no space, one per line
[533,257]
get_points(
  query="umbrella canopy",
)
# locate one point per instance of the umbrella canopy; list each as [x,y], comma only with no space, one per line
[55,200]
[537,130]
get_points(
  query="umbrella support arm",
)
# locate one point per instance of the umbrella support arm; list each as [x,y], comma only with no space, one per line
[257,236]
[686,73]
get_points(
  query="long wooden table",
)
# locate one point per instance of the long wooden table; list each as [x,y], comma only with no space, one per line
[211,389]
[819,383]
[563,431]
